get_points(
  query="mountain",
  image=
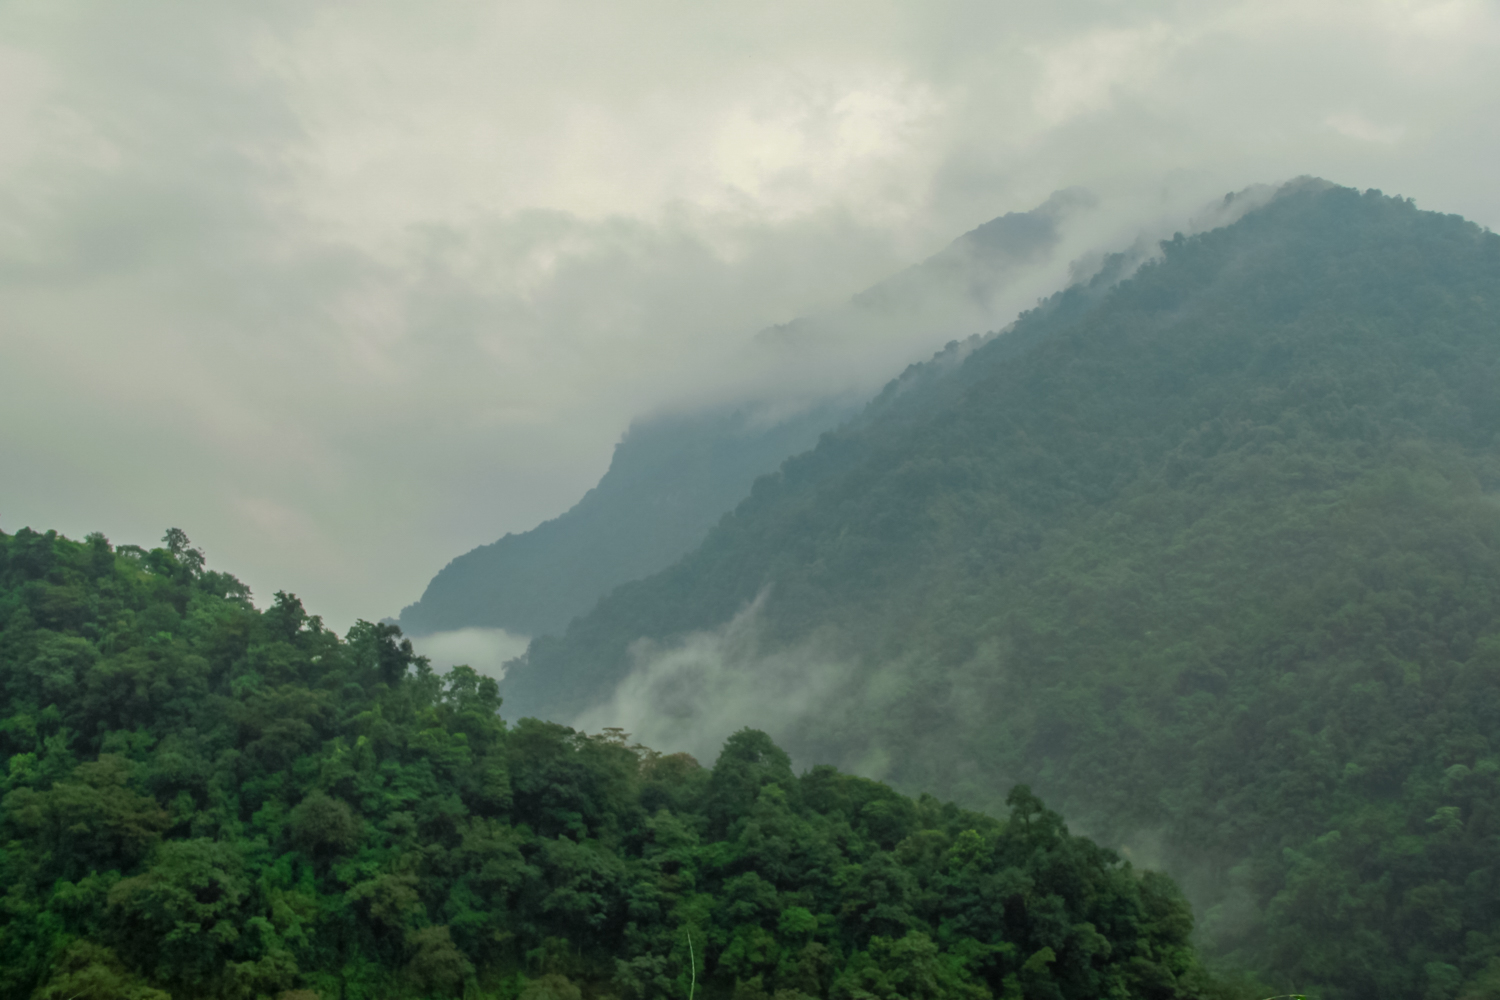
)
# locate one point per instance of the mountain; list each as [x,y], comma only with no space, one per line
[670,479]
[673,476]
[1210,556]
[205,800]
[967,287]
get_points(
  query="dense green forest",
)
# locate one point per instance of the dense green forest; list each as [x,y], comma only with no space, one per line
[206,800]
[1209,557]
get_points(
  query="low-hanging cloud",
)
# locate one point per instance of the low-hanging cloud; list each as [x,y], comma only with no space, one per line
[690,694]
[815,696]
[487,650]
[345,290]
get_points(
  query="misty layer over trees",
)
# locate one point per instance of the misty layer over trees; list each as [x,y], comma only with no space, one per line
[1207,556]
[674,476]
[1202,551]
[206,800]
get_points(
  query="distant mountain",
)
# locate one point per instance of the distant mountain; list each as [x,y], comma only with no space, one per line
[1209,555]
[965,288]
[674,476]
[670,480]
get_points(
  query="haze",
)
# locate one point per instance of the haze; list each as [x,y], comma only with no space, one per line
[346,290]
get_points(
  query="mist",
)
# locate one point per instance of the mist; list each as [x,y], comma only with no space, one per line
[484,649]
[690,694]
[344,292]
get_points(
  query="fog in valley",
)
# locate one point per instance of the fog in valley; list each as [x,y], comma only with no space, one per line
[485,649]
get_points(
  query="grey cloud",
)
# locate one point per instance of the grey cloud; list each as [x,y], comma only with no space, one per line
[347,289]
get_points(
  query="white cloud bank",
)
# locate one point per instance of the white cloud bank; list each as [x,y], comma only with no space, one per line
[485,649]
[346,289]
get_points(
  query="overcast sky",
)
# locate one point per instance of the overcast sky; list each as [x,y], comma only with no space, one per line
[345,289]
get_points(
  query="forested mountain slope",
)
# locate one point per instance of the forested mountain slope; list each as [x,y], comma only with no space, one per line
[1208,556]
[670,480]
[672,477]
[204,800]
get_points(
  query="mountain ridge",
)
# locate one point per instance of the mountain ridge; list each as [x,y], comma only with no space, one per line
[1212,561]
[673,475]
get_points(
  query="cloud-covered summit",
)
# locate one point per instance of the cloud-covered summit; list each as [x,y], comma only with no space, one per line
[344,289]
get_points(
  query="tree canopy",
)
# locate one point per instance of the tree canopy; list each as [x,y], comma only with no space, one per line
[202,799]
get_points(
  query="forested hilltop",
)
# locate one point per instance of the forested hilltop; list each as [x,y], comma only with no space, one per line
[206,800]
[1209,557]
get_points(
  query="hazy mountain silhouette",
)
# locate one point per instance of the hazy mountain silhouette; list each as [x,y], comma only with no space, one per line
[673,476]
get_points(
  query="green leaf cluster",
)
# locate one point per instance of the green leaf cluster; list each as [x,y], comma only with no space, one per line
[206,800]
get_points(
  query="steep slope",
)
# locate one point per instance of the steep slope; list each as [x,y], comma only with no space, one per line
[672,477]
[1211,556]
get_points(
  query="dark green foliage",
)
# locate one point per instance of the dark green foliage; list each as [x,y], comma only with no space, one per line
[259,808]
[1209,557]
[90,970]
